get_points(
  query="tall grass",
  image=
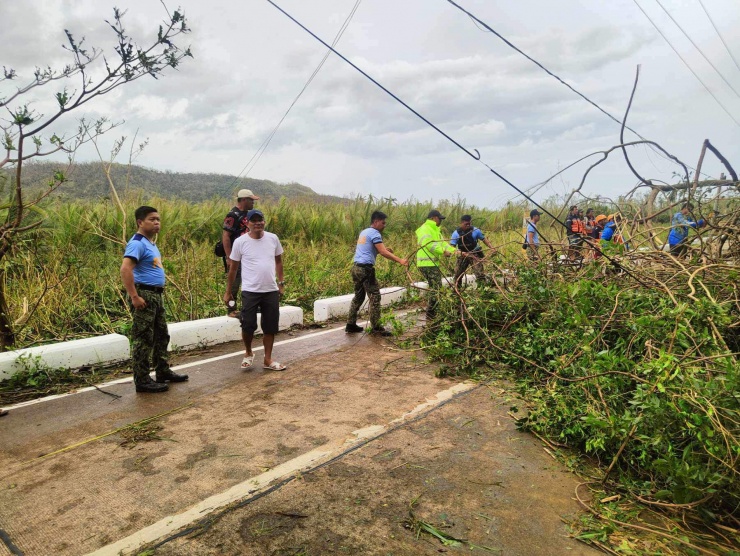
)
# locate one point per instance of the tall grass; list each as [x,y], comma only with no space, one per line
[63,279]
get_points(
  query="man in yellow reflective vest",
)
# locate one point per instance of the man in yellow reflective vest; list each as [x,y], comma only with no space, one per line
[431,249]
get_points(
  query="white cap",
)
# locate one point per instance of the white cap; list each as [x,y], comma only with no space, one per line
[246,194]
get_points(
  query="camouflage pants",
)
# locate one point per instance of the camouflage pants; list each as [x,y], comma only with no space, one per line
[462,265]
[433,276]
[365,283]
[149,336]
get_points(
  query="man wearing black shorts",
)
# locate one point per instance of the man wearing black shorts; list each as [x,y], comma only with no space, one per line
[259,254]
[235,224]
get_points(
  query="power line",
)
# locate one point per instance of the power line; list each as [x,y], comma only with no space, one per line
[720,35]
[487,27]
[483,26]
[263,147]
[686,64]
[685,34]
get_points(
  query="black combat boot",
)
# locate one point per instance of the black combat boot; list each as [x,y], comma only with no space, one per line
[353,328]
[148,385]
[171,376]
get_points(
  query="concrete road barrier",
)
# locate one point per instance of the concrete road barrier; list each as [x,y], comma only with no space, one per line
[219,330]
[100,350]
[114,348]
[332,307]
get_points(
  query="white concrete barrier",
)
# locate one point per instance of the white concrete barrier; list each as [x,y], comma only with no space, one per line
[331,307]
[100,350]
[219,330]
[114,348]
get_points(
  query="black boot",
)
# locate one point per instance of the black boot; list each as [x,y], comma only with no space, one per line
[380,331]
[171,376]
[148,385]
[353,328]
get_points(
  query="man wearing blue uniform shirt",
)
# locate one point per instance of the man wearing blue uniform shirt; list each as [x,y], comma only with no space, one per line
[679,236]
[532,240]
[369,244]
[143,277]
[470,253]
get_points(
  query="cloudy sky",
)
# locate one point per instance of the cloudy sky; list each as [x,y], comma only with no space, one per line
[346,136]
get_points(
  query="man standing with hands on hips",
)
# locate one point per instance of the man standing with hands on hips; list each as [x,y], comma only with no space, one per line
[143,277]
[259,254]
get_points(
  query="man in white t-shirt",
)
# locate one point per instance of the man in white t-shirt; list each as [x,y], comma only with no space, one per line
[260,255]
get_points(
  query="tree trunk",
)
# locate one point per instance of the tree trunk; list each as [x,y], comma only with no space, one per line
[7,337]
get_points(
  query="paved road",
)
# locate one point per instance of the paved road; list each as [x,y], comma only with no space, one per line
[231,429]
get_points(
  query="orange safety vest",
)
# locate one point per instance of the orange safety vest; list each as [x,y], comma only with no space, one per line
[577,226]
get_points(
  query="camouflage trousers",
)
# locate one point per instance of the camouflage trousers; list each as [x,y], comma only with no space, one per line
[149,336]
[433,276]
[365,284]
[462,265]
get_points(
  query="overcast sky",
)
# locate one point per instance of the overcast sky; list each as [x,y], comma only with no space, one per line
[346,136]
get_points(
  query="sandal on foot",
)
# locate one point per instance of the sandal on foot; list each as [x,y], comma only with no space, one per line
[247,361]
[275,366]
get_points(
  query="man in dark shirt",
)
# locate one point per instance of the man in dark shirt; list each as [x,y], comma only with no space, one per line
[235,224]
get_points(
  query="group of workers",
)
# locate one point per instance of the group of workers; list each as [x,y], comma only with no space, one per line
[592,236]
[254,262]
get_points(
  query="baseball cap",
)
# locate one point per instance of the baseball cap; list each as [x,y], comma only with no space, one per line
[246,194]
[254,212]
[435,212]
[534,212]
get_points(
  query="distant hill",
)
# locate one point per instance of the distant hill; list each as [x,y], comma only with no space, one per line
[87,180]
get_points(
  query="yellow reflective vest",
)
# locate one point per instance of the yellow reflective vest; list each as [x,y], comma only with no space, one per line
[429,239]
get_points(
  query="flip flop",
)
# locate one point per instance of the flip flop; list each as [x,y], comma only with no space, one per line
[247,361]
[275,366]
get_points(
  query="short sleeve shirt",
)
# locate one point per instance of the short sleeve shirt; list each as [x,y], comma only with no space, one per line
[235,223]
[257,257]
[366,249]
[532,228]
[148,270]
[476,234]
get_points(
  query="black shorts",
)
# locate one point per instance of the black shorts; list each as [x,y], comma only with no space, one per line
[267,304]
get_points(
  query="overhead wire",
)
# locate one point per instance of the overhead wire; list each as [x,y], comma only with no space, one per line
[719,34]
[483,26]
[685,34]
[474,154]
[249,166]
[686,64]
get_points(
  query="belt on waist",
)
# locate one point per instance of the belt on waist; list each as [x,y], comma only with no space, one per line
[156,289]
[364,265]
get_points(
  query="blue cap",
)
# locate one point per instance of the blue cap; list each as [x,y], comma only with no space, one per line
[254,212]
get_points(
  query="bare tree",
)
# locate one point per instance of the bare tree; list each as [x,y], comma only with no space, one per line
[24,133]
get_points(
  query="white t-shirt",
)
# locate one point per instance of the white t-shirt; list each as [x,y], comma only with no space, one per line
[257,257]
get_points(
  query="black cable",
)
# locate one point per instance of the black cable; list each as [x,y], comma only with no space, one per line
[475,156]
[478,21]
[719,35]
[686,64]
[543,68]
[685,34]
[7,541]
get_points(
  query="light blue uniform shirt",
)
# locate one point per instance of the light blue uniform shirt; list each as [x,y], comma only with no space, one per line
[148,270]
[477,235]
[366,251]
[532,228]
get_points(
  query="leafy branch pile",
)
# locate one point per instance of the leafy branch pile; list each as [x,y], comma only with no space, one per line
[643,377]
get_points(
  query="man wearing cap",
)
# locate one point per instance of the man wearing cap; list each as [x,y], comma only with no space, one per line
[431,249]
[369,245]
[533,237]
[260,256]
[143,277]
[679,236]
[235,224]
[466,239]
